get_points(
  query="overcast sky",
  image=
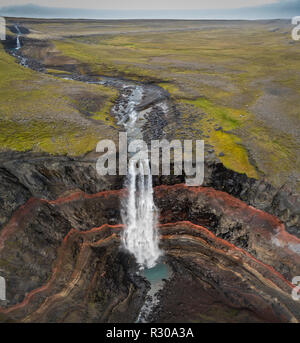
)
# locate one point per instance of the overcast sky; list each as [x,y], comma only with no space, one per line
[143,4]
[151,9]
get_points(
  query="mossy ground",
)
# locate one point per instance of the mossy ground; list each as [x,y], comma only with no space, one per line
[221,69]
[42,113]
[218,127]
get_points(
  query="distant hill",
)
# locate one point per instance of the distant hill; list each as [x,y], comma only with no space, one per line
[283,9]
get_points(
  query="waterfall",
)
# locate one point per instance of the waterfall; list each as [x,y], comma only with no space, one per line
[139,213]
[140,216]
[22,60]
[18,37]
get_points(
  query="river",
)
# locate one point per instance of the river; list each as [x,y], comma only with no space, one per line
[138,211]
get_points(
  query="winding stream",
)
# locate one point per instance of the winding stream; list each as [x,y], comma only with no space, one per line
[139,213]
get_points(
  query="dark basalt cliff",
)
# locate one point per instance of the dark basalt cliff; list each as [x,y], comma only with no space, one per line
[217,282]
[60,250]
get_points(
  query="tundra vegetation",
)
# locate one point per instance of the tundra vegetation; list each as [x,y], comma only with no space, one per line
[235,84]
[40,112]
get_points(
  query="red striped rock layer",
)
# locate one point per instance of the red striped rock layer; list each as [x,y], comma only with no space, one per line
[58,269]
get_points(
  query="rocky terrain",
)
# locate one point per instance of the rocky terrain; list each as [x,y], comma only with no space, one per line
[61,236]
[233,244]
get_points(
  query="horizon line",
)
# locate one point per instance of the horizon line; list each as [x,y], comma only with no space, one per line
[188,19]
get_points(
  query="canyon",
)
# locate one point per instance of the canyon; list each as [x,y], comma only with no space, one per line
[232,244]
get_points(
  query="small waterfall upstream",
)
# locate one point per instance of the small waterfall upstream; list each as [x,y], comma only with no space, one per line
[22,60]
[18,37]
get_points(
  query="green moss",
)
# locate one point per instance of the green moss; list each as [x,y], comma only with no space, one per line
[57,71]
[223,140]
[220,70]
[228,118]
[104,116]
[39,112]
[51,137]
[172,89]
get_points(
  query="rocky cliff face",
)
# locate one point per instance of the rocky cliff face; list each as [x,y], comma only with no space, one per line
[60,254]
[214,281]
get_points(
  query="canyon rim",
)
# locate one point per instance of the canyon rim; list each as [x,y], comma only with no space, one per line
[148,242]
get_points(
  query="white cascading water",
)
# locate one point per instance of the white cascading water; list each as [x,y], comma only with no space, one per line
[140,236]
[22,60]
[139,213]
[18,38]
